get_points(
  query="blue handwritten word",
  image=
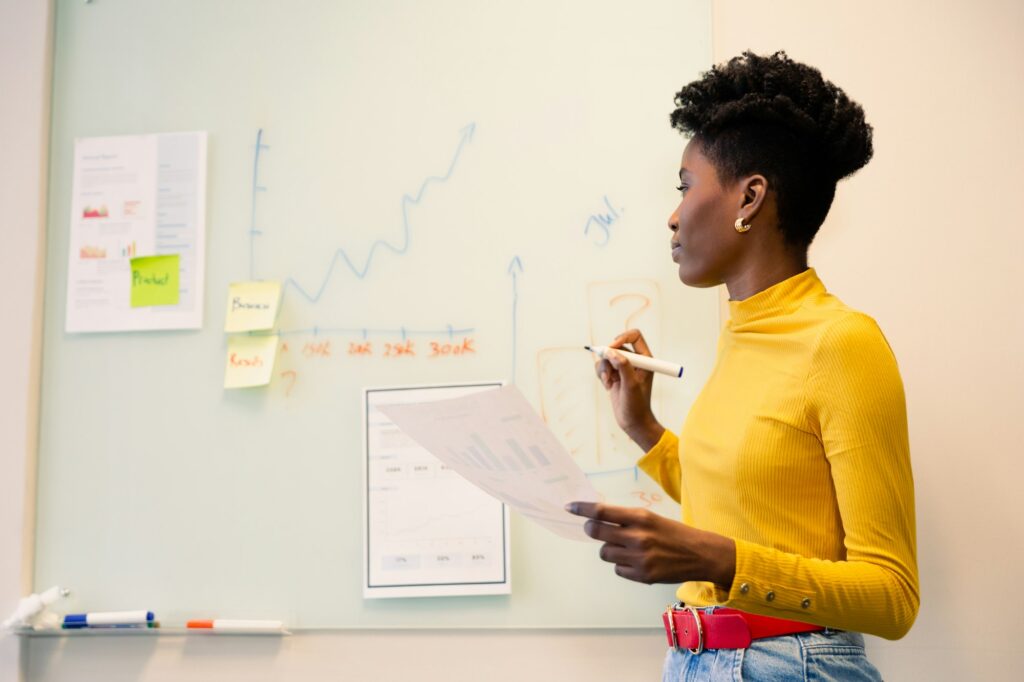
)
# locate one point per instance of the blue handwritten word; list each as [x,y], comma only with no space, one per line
[602,222]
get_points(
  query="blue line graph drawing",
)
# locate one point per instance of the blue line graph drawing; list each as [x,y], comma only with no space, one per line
[341,256]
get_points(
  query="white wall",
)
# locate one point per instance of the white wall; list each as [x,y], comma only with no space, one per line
[24,130]
[926,238]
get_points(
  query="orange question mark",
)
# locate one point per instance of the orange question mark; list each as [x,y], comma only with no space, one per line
[289,373]
[645,303]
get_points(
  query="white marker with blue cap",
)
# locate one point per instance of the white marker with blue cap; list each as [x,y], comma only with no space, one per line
[108,619]
[641,361]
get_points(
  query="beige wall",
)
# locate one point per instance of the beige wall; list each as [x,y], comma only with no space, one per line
[24,129]
[926,239]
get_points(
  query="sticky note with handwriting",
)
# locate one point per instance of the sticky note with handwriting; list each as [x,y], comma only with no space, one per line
[252,306]
[154,280]
[250,361]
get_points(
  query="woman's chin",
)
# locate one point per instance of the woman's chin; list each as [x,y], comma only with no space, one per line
[692,277]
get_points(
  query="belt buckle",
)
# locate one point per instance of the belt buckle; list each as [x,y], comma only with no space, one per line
[672,624]
[700,630]
[672,627]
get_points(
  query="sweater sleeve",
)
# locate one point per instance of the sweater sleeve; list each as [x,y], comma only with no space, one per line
[855,399]
[662,464]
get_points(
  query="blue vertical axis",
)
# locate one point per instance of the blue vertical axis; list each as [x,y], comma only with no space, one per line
[514,268]
[256,187]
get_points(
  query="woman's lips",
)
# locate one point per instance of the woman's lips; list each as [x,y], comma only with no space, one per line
[676,251]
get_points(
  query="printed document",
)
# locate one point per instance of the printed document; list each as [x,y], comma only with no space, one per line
[496,440]
[134,196]
[429,533]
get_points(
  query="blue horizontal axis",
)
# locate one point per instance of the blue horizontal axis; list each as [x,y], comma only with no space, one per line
[365,332]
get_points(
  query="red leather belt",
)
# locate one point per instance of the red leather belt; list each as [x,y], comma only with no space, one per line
[693,629]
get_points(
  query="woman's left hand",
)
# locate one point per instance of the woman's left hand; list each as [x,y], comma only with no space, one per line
[650,548]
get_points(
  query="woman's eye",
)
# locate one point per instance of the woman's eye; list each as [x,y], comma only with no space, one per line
[682,189]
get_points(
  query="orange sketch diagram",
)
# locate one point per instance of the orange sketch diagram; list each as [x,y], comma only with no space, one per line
[576,408]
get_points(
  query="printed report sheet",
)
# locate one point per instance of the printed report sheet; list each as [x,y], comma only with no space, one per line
[134,196]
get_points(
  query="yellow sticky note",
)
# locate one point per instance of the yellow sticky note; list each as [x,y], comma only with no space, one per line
[154,280]
[250,361]
[252,306]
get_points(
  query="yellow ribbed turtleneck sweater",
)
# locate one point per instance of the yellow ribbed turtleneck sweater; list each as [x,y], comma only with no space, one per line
[797,449]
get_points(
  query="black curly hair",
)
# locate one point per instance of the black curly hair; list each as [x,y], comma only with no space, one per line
[782,119]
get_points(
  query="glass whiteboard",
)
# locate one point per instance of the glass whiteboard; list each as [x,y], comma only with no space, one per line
[449,192]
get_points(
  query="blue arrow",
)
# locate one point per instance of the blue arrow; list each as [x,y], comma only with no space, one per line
[514,268]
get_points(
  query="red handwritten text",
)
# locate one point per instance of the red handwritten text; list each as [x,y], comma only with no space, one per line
[647,499]
[393,350]
[237,360]
[317,349]
[438,350]
[364,348]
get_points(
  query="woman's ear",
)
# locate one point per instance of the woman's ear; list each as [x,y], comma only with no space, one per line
[753,190]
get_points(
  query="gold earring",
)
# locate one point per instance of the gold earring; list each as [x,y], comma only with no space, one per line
[740,226]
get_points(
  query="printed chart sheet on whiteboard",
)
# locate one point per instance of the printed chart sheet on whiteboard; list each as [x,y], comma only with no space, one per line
[133,196]
[428,532]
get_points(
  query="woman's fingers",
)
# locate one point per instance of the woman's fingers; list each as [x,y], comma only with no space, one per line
[634,338]
[608,513]
[624,368]
[605,372]
[614,366]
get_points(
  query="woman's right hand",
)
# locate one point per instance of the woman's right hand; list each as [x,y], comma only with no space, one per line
[630,390]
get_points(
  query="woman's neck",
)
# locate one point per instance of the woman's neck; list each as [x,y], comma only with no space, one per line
[765,272]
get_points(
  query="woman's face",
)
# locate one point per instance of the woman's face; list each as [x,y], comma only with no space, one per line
[705,244]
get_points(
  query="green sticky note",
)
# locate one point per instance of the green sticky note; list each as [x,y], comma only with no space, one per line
[154,280]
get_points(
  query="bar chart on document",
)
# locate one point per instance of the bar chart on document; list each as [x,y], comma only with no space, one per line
[428,531]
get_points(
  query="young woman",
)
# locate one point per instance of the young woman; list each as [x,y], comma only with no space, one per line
[793,465]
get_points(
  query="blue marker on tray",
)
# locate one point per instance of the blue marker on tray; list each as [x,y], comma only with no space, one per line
[109,619]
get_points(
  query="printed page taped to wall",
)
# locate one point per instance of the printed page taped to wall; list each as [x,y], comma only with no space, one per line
[429,532]
[135,195]
[498,442]
[252,306]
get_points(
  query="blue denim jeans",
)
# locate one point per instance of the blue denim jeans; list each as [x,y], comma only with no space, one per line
[828,656]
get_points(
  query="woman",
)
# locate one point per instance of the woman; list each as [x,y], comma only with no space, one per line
[793,465]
